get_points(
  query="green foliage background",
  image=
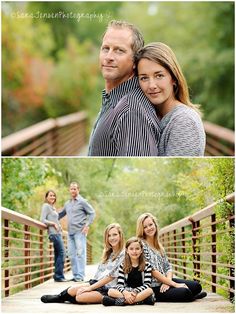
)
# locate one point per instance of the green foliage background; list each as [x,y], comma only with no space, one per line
[50,65]
[119,189]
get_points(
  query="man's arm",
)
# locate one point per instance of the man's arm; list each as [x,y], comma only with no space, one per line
[90,216]
[62,213]
[89,211]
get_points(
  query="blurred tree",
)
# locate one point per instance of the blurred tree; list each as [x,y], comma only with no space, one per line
[72,83]
[20,176]
[80,19]
[26,70]
[202,36]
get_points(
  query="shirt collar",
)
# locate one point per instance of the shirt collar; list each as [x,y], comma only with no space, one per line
[120,91]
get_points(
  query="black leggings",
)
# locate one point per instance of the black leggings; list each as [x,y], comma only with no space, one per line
[178,294]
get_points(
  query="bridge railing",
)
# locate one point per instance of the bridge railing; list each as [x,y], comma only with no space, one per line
[219,141]
[201,246]
[27,254]
[66,136]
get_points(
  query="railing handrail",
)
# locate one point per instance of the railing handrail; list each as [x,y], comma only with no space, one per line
[22,219]
[49,138]
[219,132]
[201,214]
[37,129]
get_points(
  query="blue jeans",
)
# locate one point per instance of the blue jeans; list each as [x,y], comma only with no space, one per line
[77,254]
[59,255]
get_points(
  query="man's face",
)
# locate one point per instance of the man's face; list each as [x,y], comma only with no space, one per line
[116,56]
[74,191]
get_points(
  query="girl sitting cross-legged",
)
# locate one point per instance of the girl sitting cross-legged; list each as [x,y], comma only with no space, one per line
[134,278]
[105,277]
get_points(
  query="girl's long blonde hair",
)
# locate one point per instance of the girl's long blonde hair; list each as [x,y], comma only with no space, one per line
[127,265]
[107,251]
[141,235]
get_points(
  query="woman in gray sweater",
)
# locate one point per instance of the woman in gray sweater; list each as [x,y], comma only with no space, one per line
[49,217]
[162,81]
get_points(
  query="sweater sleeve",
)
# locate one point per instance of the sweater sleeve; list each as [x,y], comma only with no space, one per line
[44,213]
[166,264]
[147,274]
[121,279]
[114,272]
[186,137]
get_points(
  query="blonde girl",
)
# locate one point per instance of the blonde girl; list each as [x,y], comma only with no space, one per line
[166,288]
[105,277]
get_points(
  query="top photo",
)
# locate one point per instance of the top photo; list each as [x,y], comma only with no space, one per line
[120,78]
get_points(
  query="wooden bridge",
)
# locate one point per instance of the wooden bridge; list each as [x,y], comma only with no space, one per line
[66,136]
[200,247]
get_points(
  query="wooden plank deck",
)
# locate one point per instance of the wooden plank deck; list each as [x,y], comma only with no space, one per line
[28,301]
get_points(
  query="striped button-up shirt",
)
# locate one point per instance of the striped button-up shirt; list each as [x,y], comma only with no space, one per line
[127,124]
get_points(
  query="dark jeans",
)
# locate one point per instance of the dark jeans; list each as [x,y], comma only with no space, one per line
[178,294]
[59,255]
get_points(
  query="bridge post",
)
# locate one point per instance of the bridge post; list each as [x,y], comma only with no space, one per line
[184,251]
[213,251]
[41,274]
[231,270]
[196,253]
[27,255]
[175,255]
[6,256]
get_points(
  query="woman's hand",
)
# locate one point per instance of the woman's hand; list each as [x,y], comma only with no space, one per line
[56,227]
[164,288]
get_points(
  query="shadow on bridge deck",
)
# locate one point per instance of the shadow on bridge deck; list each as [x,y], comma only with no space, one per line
[28,301]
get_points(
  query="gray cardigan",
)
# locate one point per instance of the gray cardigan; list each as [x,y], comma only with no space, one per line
[182,133]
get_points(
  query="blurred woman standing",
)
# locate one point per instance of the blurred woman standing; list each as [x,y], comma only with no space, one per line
[49,217]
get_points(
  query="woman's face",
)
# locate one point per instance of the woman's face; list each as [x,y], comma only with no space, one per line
[155,82]
[149,227]
[113,237]
[51,198]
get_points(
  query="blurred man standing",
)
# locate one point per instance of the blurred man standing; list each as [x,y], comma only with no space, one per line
[80,215]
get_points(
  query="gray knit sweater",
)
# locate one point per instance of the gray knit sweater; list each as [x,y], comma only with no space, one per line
[182,133]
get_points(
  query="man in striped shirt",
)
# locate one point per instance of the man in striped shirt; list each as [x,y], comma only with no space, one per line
[127,124]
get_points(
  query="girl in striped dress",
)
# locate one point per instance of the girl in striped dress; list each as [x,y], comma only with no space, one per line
[134,279]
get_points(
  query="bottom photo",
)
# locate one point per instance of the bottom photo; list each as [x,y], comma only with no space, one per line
[146,235]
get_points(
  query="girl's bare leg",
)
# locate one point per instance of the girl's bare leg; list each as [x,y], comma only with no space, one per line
[143,295]
[73,290]
[115,293]
[92,297]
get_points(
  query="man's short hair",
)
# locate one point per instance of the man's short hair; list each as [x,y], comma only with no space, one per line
[138,41]
[75,183]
